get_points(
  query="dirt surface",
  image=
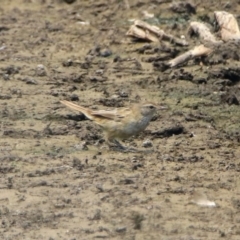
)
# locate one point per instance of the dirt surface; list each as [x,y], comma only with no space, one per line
[58,178]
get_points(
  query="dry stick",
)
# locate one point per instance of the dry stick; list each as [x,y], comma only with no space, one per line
[160,33]
[198,51]
[143,30]
[228,25]
[142,34]
[203,32]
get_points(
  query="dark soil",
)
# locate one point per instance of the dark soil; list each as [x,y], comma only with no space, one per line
[58,178]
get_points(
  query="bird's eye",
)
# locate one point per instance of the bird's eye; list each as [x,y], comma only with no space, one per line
[151,107]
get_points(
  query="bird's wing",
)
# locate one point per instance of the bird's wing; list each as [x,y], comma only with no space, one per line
[115,115]
[85,111]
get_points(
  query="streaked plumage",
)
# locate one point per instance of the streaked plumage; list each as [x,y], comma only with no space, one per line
[119,123]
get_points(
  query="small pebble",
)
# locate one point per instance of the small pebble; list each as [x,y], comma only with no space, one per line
[41,71]
[105,53]
[81,146]
[121,229]
[147,143]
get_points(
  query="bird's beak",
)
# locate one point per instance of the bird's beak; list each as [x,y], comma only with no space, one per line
[162,108]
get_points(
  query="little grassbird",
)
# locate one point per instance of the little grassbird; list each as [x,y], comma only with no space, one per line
[119,123]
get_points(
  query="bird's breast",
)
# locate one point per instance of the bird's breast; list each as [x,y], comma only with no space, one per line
[135,126]
[125,128]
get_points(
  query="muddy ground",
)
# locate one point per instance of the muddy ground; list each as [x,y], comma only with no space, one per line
[59,180]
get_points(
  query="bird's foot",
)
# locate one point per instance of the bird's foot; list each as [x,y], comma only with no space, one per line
[123,149]
[117,146]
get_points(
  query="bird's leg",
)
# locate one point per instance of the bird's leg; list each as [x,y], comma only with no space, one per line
[117,146]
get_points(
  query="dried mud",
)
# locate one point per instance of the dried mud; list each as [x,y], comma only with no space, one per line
[58,179]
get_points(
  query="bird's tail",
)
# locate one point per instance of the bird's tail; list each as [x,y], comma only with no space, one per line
[85,111]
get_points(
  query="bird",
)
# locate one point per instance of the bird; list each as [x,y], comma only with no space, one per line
[119,123]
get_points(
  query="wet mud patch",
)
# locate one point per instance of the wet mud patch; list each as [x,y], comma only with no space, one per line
[59,179]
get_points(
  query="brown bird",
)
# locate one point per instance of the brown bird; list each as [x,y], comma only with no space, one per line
[120,123]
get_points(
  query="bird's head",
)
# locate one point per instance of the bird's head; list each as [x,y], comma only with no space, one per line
[148,109]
